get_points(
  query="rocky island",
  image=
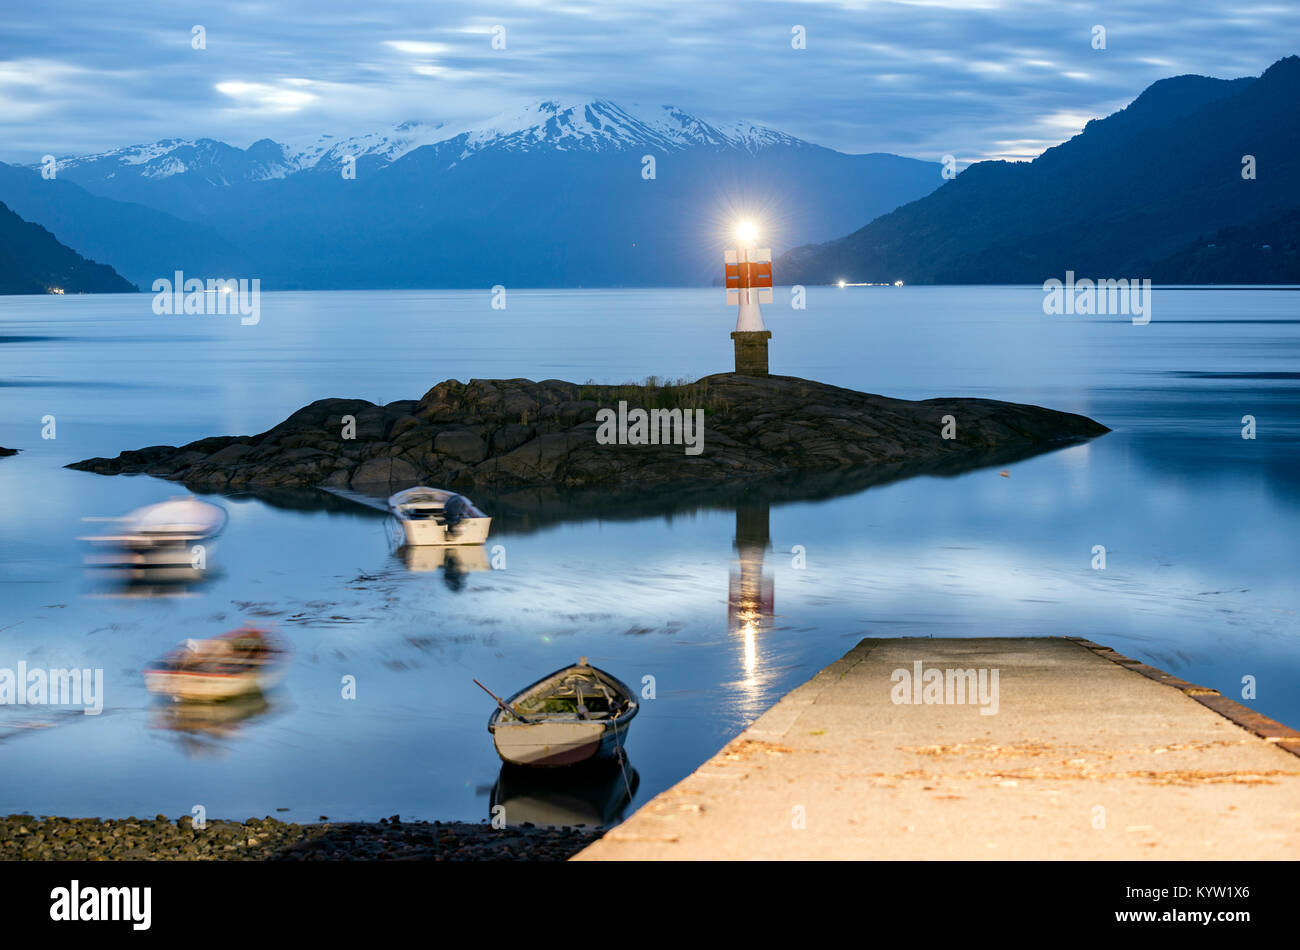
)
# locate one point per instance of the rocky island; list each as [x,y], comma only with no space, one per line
[514,433]
[4,451]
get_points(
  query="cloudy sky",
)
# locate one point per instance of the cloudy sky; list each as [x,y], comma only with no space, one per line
[973,78]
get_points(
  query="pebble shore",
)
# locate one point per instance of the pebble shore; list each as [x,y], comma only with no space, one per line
[29,838]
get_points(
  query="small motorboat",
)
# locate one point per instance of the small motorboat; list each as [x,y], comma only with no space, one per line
[243,661]
[577,714]
[437,516]
[159,536]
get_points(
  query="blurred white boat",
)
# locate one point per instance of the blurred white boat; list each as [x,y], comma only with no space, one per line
[437,516]
[161,535]
[237,663]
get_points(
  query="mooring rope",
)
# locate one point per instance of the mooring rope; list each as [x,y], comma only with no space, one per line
[618,749]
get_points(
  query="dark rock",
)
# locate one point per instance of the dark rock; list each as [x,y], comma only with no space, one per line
[383,470]
[516,433]
[460,445]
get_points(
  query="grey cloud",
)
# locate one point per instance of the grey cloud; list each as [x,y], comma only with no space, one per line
[918,78]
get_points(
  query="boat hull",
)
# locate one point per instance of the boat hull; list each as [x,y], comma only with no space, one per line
[555,744]
[430,532]
[208,687]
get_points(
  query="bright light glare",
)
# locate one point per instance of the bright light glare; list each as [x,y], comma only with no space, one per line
[746,231]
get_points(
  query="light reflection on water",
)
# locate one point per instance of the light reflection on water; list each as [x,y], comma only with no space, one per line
[704,595]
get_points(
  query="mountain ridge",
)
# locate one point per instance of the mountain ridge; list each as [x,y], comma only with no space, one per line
[589,123]
[33,261]
[1132,195]
[139,242]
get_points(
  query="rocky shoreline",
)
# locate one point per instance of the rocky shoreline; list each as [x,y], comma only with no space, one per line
[4,452]
[506,434]
[28,838]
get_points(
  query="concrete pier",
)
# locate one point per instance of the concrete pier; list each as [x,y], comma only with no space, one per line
[1088,755]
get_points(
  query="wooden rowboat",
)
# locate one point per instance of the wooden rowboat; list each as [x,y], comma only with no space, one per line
[577,714]
[242,661]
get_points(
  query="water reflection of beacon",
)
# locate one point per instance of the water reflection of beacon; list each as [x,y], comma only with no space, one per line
[750,596]
[749,283]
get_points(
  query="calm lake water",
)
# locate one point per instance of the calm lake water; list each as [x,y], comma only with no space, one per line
[1201,529]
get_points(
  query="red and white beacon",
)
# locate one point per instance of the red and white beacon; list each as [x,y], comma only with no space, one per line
[749,283]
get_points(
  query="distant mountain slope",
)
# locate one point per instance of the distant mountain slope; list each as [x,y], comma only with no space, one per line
[551,195]
[32,261]
[1137,194]
[1265,251]
[140,243]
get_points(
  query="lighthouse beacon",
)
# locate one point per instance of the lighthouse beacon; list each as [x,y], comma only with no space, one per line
[749,283]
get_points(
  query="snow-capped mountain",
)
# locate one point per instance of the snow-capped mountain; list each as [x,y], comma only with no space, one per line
[430,204]
[222,164]
[593,125]
[600,124]
[387,146]
[216,162]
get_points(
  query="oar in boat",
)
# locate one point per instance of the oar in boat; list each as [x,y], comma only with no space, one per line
[502,703]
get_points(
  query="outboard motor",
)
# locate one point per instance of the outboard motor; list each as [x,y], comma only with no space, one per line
[455,511]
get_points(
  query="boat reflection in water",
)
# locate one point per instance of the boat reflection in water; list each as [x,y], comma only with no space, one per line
[595,795]
[203,728]
[751,594]
[454,562]
[177,581]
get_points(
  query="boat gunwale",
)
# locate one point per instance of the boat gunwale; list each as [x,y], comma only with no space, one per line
[618,722]
[398,509]
[278,655]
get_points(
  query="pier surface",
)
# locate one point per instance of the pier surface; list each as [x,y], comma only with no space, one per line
[1089,755]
